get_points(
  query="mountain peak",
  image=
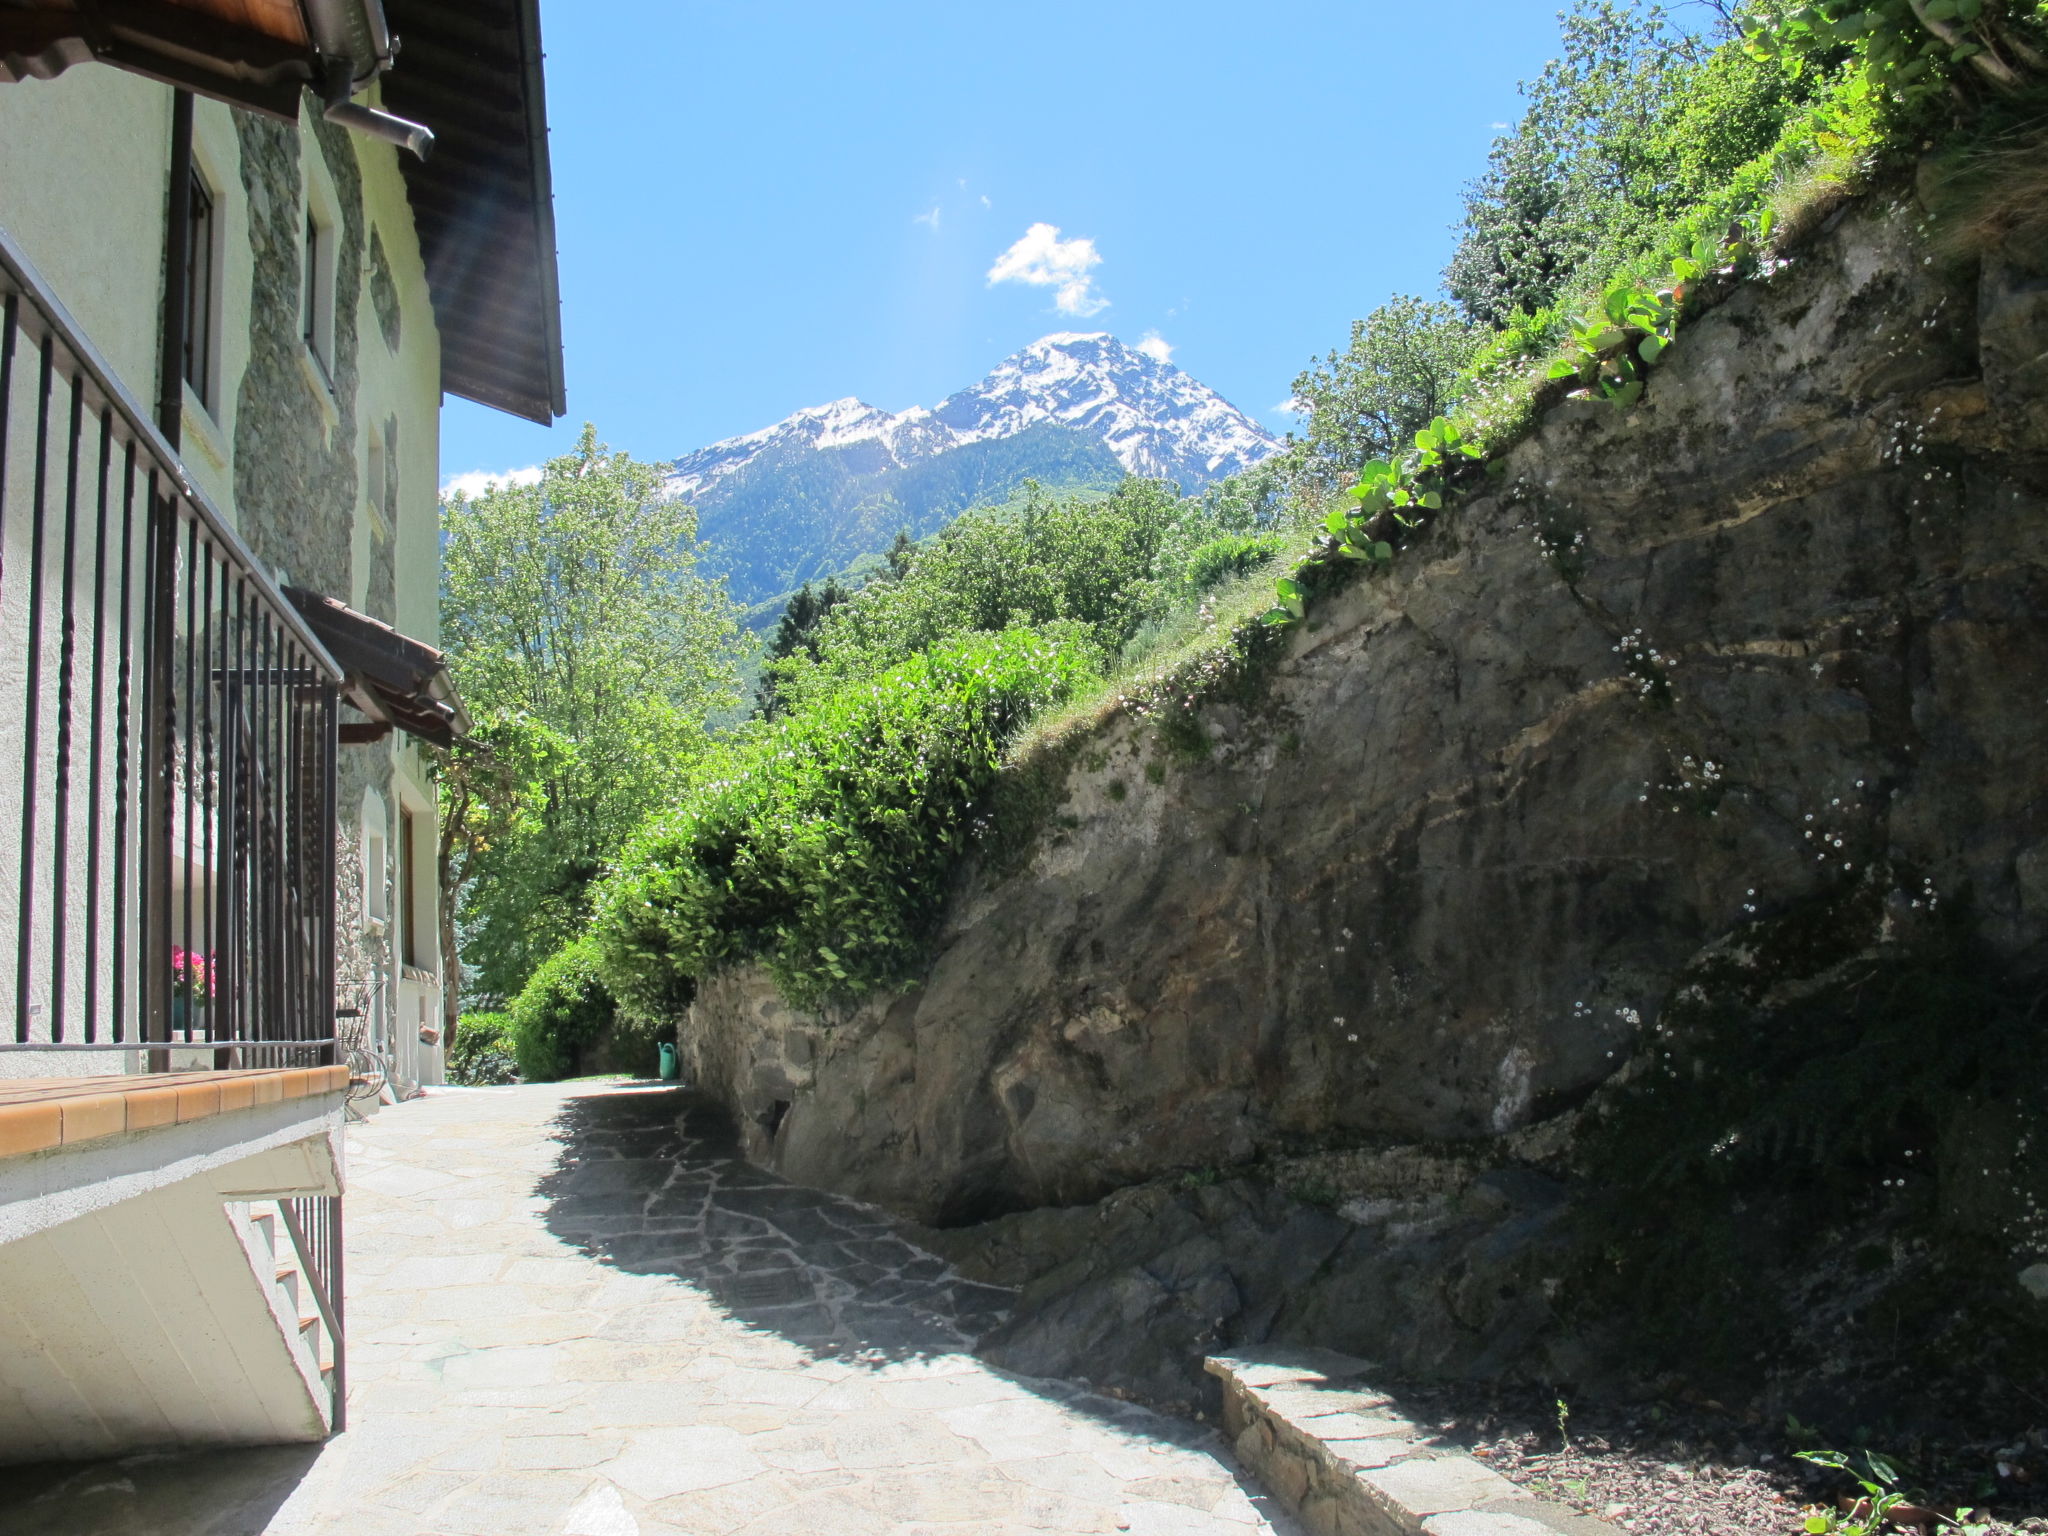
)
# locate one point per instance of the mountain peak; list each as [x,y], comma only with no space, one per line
[1074,407]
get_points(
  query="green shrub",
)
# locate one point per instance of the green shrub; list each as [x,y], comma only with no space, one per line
[1230,555]
[1095,567]
[481,1054]
[563,1008]
[820,844]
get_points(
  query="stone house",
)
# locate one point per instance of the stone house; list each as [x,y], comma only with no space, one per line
[245,248]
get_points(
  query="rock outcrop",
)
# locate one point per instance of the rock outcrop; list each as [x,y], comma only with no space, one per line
[1682,664]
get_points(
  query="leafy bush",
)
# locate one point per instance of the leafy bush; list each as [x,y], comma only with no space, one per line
[563,1008]
[1229,555]
[481,1054]
[1095,568]
[1912,52]
[1634,123]
[819,843]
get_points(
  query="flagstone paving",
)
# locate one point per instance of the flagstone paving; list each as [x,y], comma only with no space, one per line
[573,1310]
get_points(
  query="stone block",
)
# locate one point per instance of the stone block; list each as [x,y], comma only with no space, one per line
[1295,1402]
[1438,1485]
[1379,1451]
[1277,1364]
[1474,1522]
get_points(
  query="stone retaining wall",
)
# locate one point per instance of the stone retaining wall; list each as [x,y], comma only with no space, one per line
[1342,1458]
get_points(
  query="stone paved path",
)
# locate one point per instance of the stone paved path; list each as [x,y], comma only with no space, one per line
[572,1311]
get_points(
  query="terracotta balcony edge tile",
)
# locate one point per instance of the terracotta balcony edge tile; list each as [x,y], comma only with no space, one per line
[101,1114]
[149,1108]
[198,1100]
[29,1128]
[237,1093]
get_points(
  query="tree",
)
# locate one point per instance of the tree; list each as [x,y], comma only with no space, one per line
[1595,162]
[479,799]
[902,555]
[1399,374]
[798,631]
[589,649]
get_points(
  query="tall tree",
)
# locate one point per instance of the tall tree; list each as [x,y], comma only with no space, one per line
[1399,373]
[589,649]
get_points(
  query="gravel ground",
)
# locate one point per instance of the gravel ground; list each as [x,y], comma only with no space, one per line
[1667,1469]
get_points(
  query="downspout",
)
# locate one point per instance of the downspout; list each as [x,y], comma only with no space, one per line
[170,391]
[356,45]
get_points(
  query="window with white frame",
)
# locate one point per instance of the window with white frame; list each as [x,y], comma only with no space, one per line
[376,862]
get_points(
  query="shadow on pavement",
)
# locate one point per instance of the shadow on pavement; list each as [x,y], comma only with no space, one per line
[651,1182]
[212,1493]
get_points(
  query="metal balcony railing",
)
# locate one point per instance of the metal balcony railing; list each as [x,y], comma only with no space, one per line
[167,750]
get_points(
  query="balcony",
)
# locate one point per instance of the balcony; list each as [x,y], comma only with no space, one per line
[169,1090]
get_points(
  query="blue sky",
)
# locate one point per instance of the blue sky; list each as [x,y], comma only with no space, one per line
[768,204]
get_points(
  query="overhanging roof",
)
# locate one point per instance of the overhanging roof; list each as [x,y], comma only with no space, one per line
[483,202]
[389,676]
[255,53]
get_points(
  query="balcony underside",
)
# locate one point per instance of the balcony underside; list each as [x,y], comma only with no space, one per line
[147,1294]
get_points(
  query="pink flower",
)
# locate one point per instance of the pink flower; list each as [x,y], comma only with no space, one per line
[192,974]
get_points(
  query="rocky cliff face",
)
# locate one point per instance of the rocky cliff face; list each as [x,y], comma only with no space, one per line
[1782,624]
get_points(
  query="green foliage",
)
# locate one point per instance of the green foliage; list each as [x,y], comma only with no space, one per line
[1614,349]
[1911,52]
[1228,556]
[1391,496]
[1095,570]
[1634,123]
[798,629]
[481,1055]
[562,1009]
[820,844]
[589,650]
[1879,1478]
[1401,371]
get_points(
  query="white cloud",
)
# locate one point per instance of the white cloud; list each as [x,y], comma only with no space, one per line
[477,481]
[985,202]
[1156,347]
[931,219]
[1293,405]
[1043,260]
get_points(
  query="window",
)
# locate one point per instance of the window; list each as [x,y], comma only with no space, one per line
[380,481]
[316,291]
[201,338]
[376,884]
[408,891]
[373,480]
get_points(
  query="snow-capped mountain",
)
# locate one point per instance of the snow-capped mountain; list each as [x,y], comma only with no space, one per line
[811,494]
